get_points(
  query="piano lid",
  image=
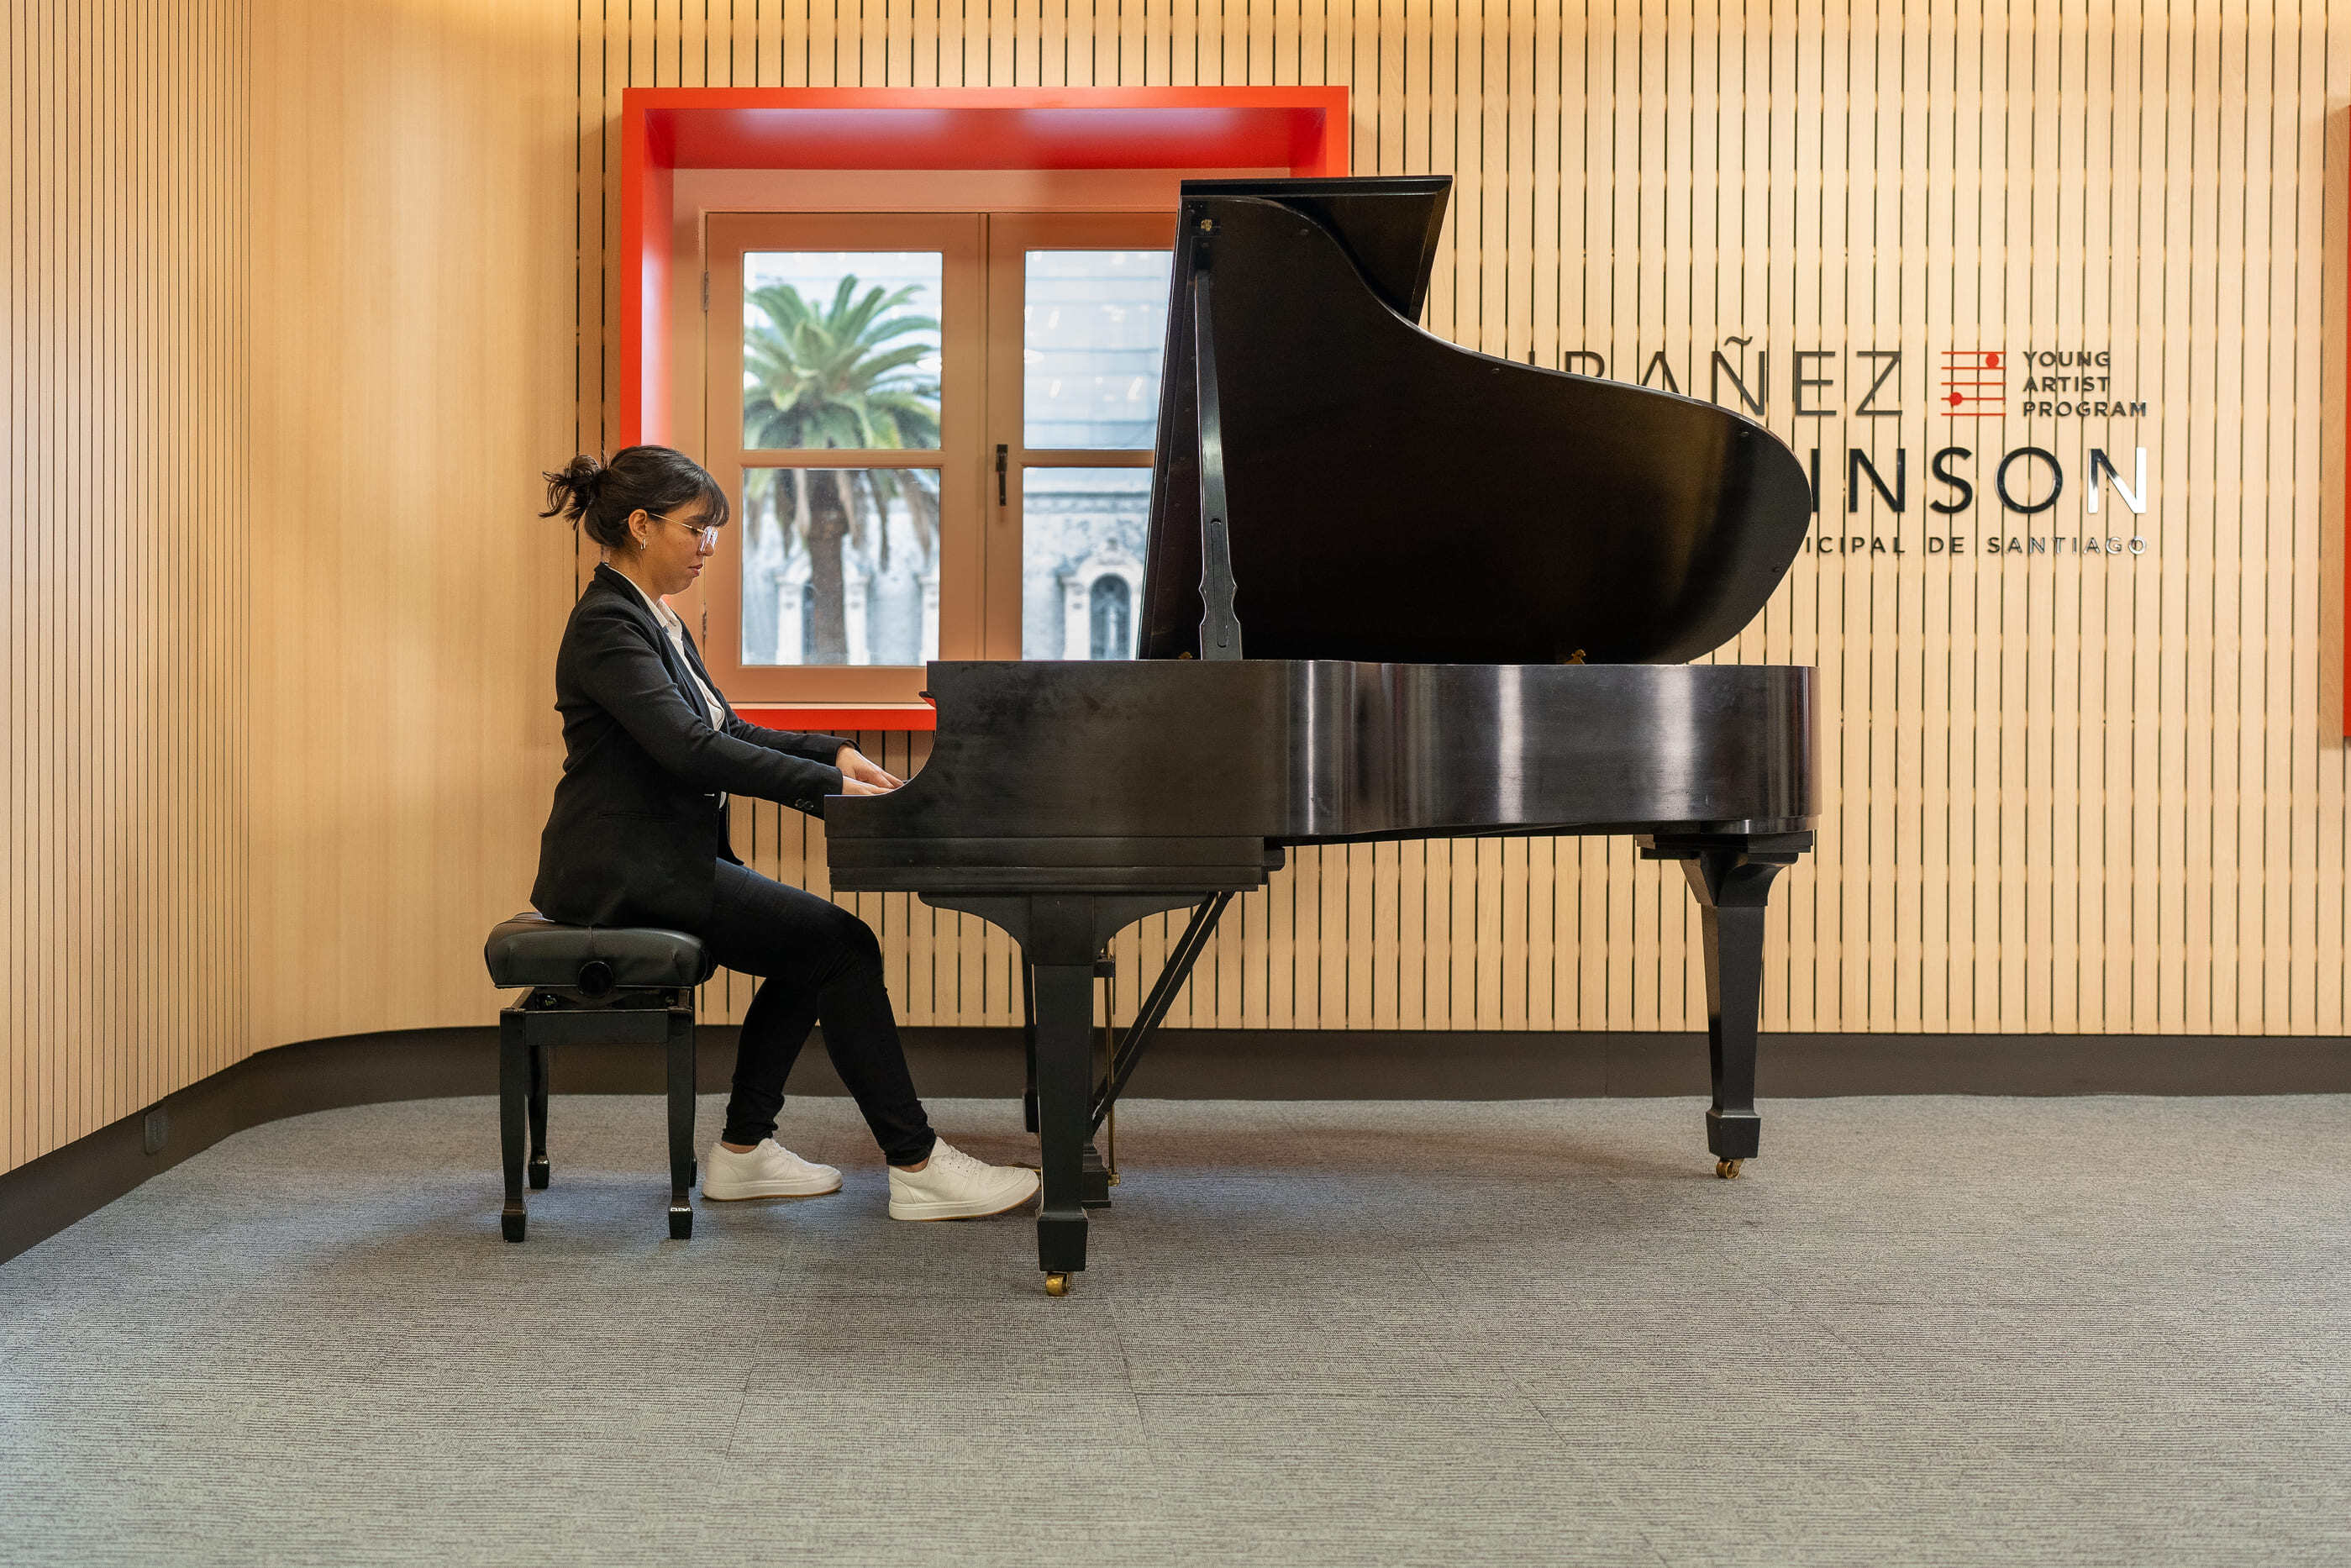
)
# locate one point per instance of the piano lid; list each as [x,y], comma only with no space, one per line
[1394,497]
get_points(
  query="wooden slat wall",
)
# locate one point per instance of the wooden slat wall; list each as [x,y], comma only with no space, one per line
[122,940]
[289,335]
[412,371]
[2065,794]
[300,296]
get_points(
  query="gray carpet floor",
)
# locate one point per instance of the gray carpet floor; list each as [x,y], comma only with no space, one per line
[1927,1330]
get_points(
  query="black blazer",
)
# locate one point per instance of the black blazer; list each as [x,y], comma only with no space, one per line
[637,830]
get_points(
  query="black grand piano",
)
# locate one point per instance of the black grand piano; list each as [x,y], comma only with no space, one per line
[1394,589]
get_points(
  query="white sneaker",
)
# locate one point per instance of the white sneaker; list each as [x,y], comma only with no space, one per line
[953,1185]
[770,1170]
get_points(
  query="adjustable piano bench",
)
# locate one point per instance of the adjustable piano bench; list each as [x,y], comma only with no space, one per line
[591,984]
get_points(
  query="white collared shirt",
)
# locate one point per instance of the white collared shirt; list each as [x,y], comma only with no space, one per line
[676,630]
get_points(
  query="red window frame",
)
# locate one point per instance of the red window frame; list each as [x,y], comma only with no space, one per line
[663,129]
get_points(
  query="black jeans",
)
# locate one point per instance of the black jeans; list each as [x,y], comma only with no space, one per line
[821,963]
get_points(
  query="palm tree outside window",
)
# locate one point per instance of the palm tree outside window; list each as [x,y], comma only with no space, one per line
[853,366]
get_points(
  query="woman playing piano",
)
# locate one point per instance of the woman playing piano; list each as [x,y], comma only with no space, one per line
[638,837]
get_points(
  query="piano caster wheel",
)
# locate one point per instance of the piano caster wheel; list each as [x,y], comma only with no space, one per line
[1057,1284]
[1727,1169]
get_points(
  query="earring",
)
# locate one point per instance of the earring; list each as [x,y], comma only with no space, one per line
[641,544]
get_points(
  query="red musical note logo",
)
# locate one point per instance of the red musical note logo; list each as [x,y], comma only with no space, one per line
[1975,383]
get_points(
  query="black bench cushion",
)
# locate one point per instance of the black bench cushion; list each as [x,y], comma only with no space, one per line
[532,950]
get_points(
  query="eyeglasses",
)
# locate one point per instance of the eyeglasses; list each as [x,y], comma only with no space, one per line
[709,539]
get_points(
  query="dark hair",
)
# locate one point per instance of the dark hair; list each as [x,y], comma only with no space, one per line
[599,497]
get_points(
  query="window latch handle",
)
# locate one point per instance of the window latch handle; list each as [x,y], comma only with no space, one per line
[1003,461]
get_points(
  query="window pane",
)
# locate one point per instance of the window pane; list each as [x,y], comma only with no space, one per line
[1081,538]
[841,348]
[1094,326]
[841,566]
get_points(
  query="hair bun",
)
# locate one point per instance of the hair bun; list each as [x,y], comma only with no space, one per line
[572,489]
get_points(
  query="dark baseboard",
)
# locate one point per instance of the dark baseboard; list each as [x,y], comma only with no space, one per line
[42,1198]
[1395,1064]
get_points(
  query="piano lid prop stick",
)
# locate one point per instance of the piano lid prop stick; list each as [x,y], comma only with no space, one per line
[1221,629]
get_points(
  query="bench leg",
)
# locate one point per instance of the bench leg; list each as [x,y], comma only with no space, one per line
[538,1170]
[513,1091]
[681,1123]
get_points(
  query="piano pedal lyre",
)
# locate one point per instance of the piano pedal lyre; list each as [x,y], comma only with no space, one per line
[1108,970]
[1098,1174]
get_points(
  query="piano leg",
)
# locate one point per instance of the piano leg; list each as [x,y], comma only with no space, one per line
[1731,889]
[1095,1189]
[1065,1017]
[1061,936]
